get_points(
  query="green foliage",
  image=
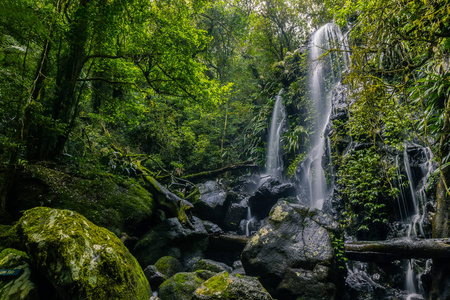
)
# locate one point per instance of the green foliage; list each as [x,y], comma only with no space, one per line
[366,180]
[339,251]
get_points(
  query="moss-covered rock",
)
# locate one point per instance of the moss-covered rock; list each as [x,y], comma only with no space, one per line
[22,287]
[126,206]
[168,265]
[181,286]
[225,286]
[210,265]
[8,237]
[79,259]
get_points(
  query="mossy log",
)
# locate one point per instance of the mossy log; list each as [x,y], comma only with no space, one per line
[249,164]
[168,201]
[398,249]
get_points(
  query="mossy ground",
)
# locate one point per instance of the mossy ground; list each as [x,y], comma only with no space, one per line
[124,206]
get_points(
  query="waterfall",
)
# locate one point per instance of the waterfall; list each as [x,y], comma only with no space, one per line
[274,156]
[324,74]
[412,210]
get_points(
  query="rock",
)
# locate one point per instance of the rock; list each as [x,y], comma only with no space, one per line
[22,287]
[211,203]
[293,255]
[235,213]
[212,229]
[79,259]
[267,195]
[181,286]
[238,268]
[171,238]
[226,286]
[339,103]
[210,265]
[249,226]
[154,277]
[168,266]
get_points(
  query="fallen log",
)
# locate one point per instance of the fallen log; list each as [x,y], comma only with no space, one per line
[233,238]
[249,164]
[402,248]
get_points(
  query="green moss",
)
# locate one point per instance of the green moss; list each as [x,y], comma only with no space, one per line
[215,285]
[118,207]
[81,260]
[181,286]
[8,237]
[168,266]
[21,287]
[194,197]
[10,258]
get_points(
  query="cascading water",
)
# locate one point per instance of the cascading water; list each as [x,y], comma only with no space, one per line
[412,211]
[324,74]
[274,156]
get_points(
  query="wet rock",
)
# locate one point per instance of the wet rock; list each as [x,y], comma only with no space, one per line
[238,268]
[267,195]
[79,259]
[154,277]
[225,286]
[173,239]
[235,213]
[181,286]
[339,104]
[22,287]
[210,265]
[249,226]
[211,202]
[246,185]
[212,229]
[293,255]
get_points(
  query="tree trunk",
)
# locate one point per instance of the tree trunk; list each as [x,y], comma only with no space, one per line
[393,249]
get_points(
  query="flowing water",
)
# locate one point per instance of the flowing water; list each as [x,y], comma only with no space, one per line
[412,210]
[324,74]
[274,155]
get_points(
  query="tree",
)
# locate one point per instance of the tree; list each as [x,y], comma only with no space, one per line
[64,49]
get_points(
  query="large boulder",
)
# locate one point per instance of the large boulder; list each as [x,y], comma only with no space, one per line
[19,287]
[210,202]
[235,213]
[293,254]
[225,286]
[79,259]
[267,195]
[171,238]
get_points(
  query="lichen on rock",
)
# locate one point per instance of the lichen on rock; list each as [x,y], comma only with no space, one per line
[80,259]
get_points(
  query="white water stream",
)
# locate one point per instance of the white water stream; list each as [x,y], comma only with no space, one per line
[274,155]
[324,74]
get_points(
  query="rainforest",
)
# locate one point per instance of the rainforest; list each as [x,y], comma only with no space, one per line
[208,149]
